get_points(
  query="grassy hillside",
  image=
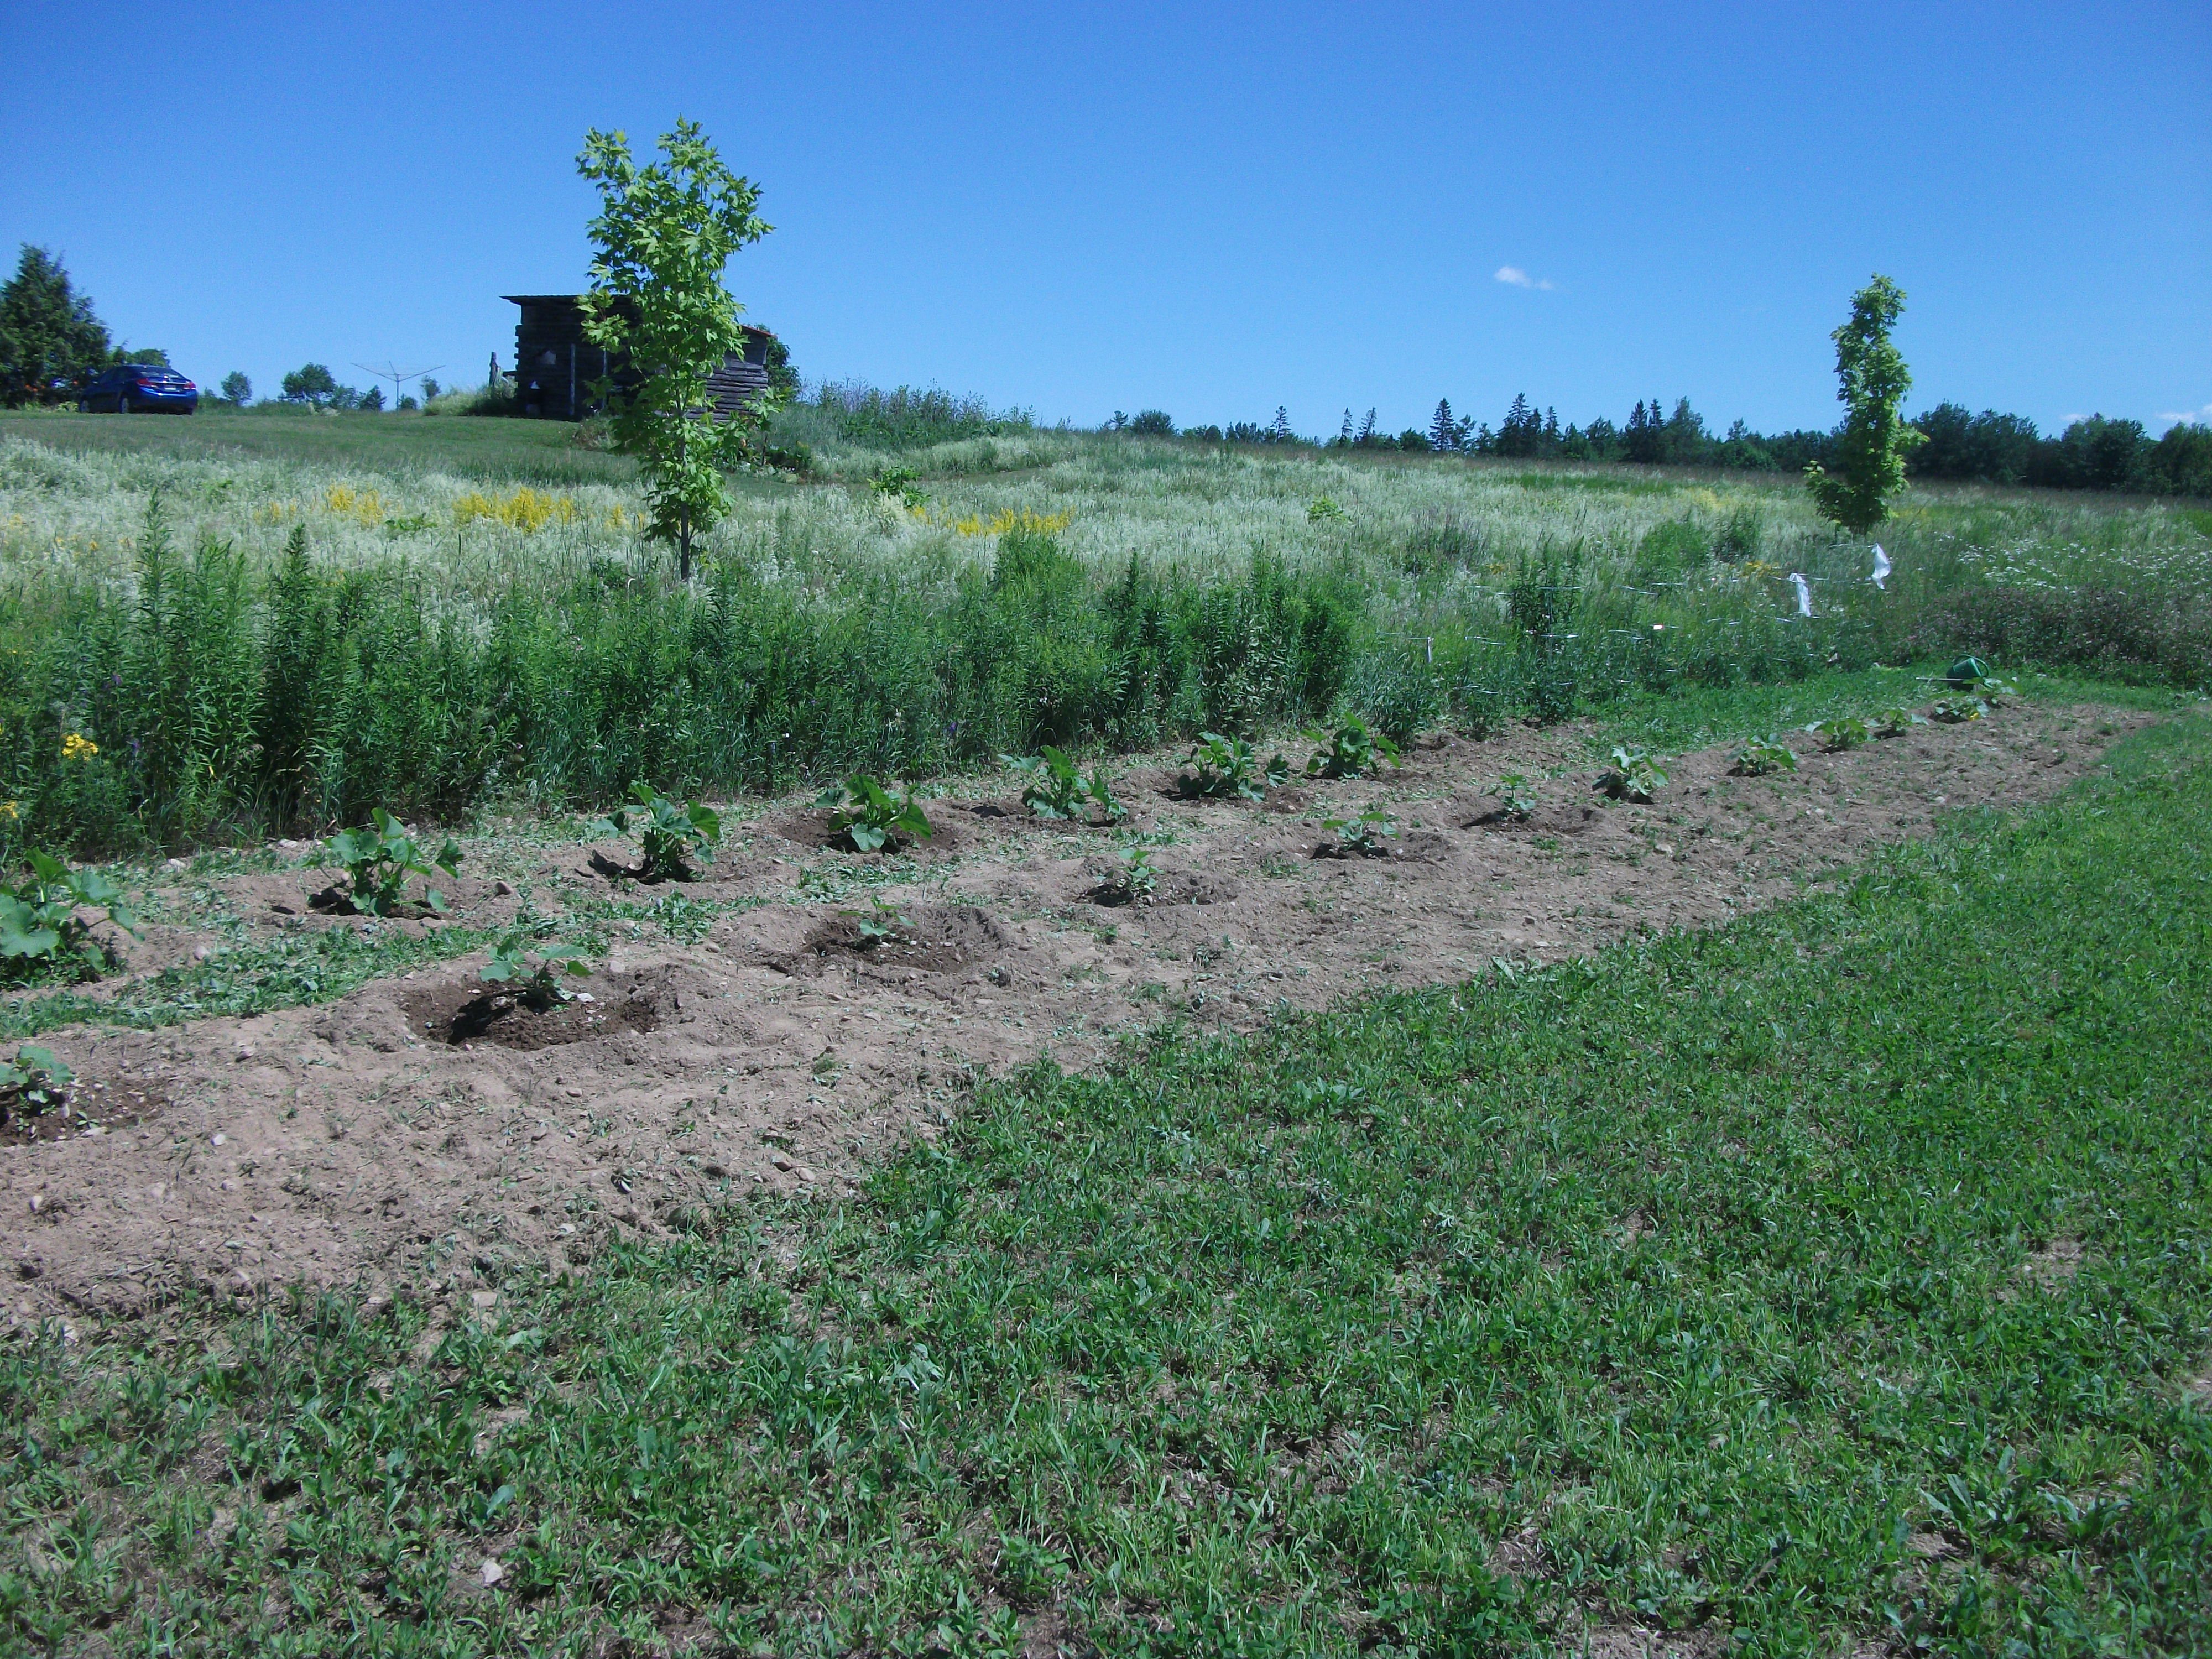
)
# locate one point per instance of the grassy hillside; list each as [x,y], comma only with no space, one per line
[1839,1278]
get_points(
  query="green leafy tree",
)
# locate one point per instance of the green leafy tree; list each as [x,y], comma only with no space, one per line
[1873,380]
[48,332]
[237,389]
[314,385]
[663,233]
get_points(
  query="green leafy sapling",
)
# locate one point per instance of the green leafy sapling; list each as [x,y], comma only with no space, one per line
[1761,756]
[533,976]
[864,814]
[41,920]
[32,1082]
[378,858]
[1872,380]
[669,834]
[1954,711]
[1224,767]
[1350,751]
[1633,776]
[664,232]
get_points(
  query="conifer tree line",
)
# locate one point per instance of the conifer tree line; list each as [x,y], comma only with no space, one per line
[2096,453]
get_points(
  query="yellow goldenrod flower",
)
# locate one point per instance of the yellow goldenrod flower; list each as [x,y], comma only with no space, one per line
[527,510]
[10,810]
[77,746]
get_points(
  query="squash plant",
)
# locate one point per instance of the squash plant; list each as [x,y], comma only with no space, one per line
[863,813]
[378,858]
[39,919]
[669,836]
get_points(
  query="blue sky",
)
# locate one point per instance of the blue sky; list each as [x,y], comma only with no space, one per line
[1207,209]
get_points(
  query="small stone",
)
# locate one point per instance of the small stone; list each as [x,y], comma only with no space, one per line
[204,953]
[783,1163]
[217,1138]
[492,1573]
[38,1202]
[245,1052]
[173,864]
[502,890]
[484,1299]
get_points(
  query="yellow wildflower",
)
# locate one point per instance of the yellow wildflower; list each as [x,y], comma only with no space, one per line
[527,510]
[77,746]
[10,810]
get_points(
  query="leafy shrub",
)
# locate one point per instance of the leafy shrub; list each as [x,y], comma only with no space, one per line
[1321,509]
[1633,775]
[863,813]
[533,974]
[901,482]
[379,857]
[1349,751]
[39,920]
[668,834]
[1152,423]
[32,1082]
[1223,766]
[1762,756]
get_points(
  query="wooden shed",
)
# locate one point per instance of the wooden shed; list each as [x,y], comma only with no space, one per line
[555,365]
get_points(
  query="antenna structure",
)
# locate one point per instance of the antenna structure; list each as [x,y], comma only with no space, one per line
[397,375]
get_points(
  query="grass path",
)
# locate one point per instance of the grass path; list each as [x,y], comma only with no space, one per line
[1838,1276]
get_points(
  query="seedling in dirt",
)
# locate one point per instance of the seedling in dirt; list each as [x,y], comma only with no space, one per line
[378,859]
[863,813]
[1517,797]
[1223,766]
[1896,722]
[1954,711]
[668,834]
[534,978]
[1133,883]
[39,919]
[879,924]
[1844,732]
[32,1082]
[1761,756]
[1994,692]
[1350,751]
[1633,775]
[1363,836]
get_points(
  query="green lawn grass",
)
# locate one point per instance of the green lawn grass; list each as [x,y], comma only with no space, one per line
[1836,1276]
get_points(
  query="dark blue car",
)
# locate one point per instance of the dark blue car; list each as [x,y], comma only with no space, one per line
[139,389]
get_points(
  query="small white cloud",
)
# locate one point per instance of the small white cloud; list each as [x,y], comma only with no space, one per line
[2194,417]
[1514,276]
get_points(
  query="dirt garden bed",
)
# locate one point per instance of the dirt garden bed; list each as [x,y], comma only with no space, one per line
[423,1130]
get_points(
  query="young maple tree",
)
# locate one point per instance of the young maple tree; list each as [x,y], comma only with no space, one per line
[1873,380]
[664,232]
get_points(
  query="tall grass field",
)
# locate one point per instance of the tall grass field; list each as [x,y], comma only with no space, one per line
[252,622]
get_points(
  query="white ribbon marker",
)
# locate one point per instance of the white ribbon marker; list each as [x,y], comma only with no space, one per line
[1881,577]
[1804,594]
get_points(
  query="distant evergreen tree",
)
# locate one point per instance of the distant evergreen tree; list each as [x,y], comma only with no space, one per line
[1343,432]
[1444,431]
[48,333]
[1366,428]
[1279,427]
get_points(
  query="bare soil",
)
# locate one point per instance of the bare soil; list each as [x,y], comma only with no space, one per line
[430,1132]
